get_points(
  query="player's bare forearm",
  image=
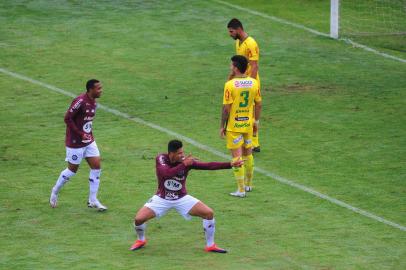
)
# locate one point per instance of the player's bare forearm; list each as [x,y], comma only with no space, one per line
[254,69]
[258,108]
[224,116]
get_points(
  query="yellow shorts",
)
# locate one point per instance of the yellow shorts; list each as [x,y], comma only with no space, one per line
[236,140]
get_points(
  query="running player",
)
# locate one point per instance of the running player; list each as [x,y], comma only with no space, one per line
[245,45]
[241,98]
[80,144]
[172,170]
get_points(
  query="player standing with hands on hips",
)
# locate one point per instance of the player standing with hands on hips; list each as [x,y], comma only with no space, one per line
[80,144]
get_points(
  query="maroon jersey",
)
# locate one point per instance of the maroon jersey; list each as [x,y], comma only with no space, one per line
[78,121]
[172,177]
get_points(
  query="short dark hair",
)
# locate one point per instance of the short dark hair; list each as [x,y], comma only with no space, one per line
[90,84]
[174,145]
[235,23]
[240,62]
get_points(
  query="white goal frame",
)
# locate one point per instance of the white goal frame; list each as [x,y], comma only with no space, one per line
[334,18]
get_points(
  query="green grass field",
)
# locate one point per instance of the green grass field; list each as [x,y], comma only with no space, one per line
[334,120]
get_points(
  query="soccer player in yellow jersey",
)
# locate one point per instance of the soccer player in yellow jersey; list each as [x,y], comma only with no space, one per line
[248,47]
[241,97]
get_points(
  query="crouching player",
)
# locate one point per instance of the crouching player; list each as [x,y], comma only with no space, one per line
[172,170]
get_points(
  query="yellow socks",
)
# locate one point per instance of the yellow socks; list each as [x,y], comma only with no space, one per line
[239,174]
[249,169]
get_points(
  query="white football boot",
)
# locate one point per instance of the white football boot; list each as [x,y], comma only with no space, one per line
[238,194]
[96,204]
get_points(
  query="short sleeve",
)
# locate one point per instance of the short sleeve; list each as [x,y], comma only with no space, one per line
[227,97]
[252,50]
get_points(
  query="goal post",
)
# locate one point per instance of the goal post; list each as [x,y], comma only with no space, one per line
[334,18]
[367,18]
[376,23]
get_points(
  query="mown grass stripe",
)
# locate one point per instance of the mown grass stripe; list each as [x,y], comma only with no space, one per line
[211,150]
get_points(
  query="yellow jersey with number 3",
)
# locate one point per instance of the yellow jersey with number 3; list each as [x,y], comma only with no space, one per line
[248,48]
[241,93]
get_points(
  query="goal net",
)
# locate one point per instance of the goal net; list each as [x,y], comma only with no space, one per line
[380,22]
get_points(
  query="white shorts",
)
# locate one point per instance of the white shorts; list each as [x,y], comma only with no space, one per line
[75,155]
[182,206]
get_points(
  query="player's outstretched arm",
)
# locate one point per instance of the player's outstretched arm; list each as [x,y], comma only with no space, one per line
[216,165]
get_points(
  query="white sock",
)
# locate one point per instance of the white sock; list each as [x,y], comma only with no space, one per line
[140,230]
[94,181]
[63,178]
[209,229]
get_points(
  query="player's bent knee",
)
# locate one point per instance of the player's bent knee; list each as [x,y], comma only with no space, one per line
[73,167]
[209,214]
[143,215]
[138,221]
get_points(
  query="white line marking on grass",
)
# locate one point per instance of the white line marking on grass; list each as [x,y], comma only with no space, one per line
[210,150]
[358,45]
[318,33]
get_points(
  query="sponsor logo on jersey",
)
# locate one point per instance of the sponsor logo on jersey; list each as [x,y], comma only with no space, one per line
[77,104]
[161,160]
[173,185]
[243,84]
[244,118]
[171,195]
[247,141]
[242,111]
[88,118]
[242,125]
[87,127]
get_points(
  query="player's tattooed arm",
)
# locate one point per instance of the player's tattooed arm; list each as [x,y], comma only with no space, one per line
[224,118]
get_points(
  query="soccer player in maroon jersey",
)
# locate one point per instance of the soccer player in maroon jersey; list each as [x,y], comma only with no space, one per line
[171,171]
[80,144]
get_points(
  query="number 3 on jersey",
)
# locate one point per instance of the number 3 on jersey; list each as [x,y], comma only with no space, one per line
[245,95]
